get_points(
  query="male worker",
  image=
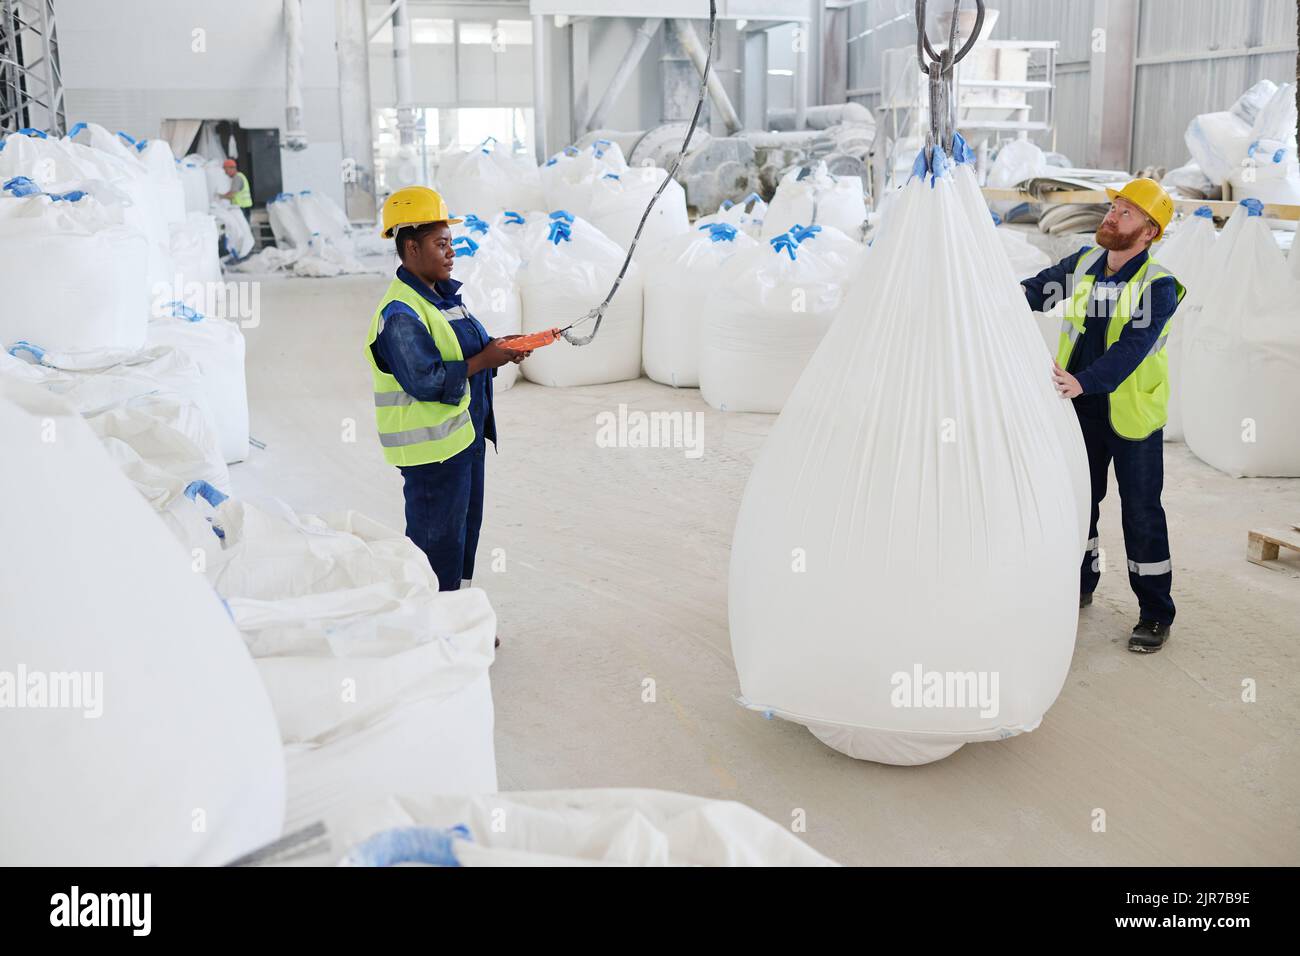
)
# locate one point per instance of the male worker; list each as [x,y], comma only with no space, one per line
[1111,361]
[240,195]
[432,364]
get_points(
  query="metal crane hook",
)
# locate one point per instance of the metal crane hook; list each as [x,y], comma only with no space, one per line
[938,67]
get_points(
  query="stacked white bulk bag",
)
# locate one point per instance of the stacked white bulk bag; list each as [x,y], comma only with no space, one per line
[379,681]
[287,222]
[1187,253]
[487,179]
[183,763]
[522,231]
[1270,171]
[236,234]
[812,196]
[322,216]
[74,279]
[194,184]
[673,319]
[569,176]
[216,346]
[568,275]
[905,567]
[1241,357]
[562,828]
[486,271]
[195,253]
[768,310]
[619,200]
[746,215]
[158,160]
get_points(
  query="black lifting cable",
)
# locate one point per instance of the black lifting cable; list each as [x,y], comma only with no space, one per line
[598,313]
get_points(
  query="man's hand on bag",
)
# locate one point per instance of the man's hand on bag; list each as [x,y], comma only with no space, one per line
[1067,386]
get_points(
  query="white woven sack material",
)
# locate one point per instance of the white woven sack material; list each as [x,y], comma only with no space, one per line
[763,320]
[522,237]
[924,468]
[476,182]
[1240,378]
[194,183]
[1294,259]
[160,163]
[599,827]
[1025,257]
[321,220]
[489,292]
[526,180]
[673,318]
[746,215]
[819,199]
[1187,253]
[195,252]
[218,182]
[287,223]
[619,200]
[562,282]
[101,304]
[237,235]
[184,722]
[217,348]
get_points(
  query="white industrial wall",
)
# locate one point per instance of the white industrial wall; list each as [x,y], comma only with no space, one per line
[130,64]
[1193,56]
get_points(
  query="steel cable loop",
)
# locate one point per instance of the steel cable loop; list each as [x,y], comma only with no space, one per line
[598,313]
[943,104]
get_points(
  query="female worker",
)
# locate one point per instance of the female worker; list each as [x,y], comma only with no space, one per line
[433,365]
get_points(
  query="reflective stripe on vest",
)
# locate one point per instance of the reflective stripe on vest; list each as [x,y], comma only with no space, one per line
[413,432]
[243,196]
[1139,405]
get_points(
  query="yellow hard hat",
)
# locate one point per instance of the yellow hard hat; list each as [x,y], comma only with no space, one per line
[1150,197]
[413,206]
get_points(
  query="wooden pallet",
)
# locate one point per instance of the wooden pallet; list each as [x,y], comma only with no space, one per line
[1264,545]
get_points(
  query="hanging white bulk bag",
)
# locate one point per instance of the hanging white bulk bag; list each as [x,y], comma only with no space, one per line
[177,730]
[72,281]
[1241,357]
[905,568]
[569,274]
[690,266]
[1026,258]
[1187,254]
[768,310]
[618,827]
[809,195]
[486,273]
[194,183]
[216,346]
[619,200]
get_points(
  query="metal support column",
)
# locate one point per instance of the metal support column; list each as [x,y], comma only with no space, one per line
[539,88]
[1111,84]
[31,83]
[354,109]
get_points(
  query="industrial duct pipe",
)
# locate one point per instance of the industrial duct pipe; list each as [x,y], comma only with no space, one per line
[717,92]
[402,74]
[295,137]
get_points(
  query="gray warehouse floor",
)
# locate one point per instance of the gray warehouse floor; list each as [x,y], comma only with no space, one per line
[616,571]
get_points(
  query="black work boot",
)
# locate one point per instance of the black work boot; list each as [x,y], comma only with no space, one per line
[1148,637]
[1085,599]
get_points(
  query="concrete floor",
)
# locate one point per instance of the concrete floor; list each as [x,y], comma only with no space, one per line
[616,571]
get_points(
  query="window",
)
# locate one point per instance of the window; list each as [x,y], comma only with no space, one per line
[499,35]
[472,32]
[432,31]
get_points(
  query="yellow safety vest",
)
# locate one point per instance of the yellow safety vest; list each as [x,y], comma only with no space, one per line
[414,432]
[1140,404]
[243,197]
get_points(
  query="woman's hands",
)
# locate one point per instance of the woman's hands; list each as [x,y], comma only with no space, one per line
[495,354]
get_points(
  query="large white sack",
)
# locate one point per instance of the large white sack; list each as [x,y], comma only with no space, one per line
[810,195]
[488,288]
[767,311]
[1017,161]
[619,200]
[567,276]
[568,177]
[287,222]
[156,156]
[616,827]
[919,508]
[322,216]
[487,179]
[194,183]
[216,346]
[522,230]
[195,251]
[1241,358]
[1187,253]
[237,235]
[673,318]
[184,766]
[101,303]
[1025,257]
[746,215]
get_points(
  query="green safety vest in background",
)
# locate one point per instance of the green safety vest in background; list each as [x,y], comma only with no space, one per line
[243,197]
[1140,404]
[414,432]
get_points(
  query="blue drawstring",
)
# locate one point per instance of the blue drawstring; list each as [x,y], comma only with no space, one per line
[77,128]
[610,176]
[722,232]
[35,351]
[408,845]
[560,230]
[21,186]
[752,197]
[39,133]
[475,224]
[562,214]
[204,490]
[179,310]
[1205,212]
[464,246]
[784,241]
[727,204]
[800,233]
[1253,207]
[129,139]
[571,151]
[70,196]
[514,217]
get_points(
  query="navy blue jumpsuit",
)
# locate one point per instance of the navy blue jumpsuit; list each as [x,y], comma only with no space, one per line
[444,500]
[1139,465]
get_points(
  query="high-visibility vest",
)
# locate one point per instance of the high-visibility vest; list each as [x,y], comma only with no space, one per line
[413,432]
[1140,404]
[243,197]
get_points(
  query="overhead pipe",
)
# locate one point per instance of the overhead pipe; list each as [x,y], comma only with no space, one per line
[717,92]
[295,137]
[644,34]
[402,74]
[539,87]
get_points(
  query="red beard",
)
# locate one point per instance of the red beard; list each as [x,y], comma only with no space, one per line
[1109,238]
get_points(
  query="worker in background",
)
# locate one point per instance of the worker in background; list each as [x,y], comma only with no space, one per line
[240,195]
[433,365]
[1111,360]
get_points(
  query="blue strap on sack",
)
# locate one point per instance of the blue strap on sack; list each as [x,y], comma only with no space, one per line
[38,133]
[560,230]
[475,224]
[562,214]
[35,351]
[514,217]
[721,231]
[1253,207]
[179,310]
[1205,212]
[800,233]
[21,186]
[464,246]
[206,491]
[784,242]
[427,845]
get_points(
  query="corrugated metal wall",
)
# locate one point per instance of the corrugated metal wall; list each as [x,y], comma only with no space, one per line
[1168,94]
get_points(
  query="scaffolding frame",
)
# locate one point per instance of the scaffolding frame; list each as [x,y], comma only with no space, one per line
[31,82]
